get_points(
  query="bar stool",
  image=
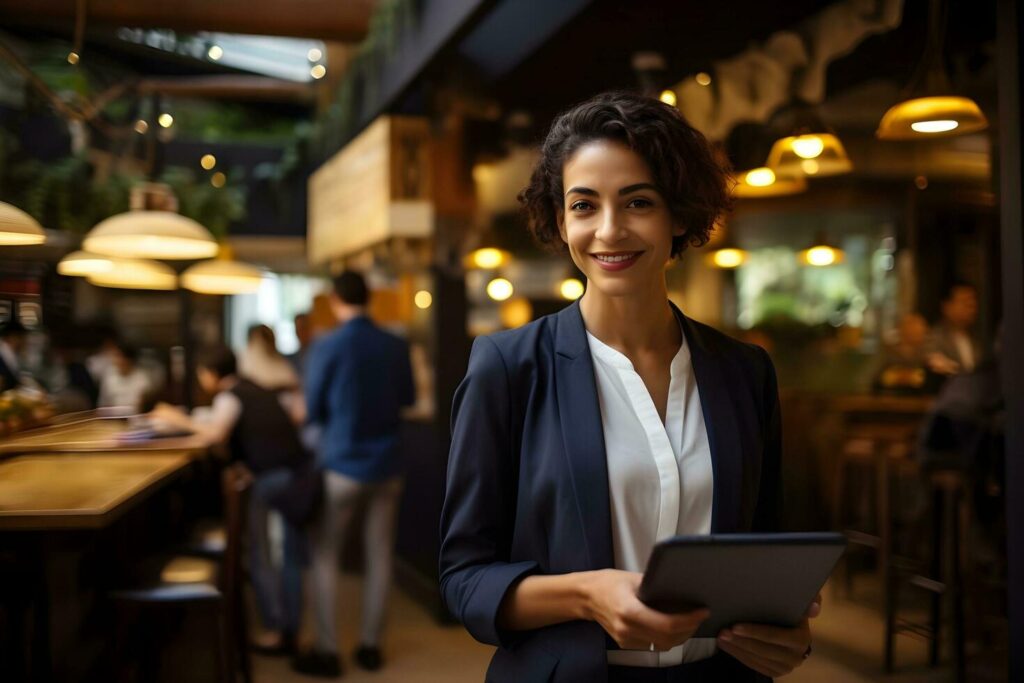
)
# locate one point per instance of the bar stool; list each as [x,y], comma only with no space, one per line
[170,588]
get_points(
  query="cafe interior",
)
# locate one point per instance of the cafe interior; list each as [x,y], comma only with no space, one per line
[173,174]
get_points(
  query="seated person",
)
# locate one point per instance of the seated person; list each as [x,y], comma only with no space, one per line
[124,384]
[903,365]
[259,432]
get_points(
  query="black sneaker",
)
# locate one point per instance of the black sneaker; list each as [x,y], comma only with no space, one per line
[314,663]
[368,658]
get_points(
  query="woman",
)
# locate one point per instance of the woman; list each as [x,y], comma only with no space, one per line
[263,365]
[583,438]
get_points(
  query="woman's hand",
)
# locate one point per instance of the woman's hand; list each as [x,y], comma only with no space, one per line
[612,602]
[770,650]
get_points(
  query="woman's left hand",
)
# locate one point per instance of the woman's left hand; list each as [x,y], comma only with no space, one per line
[770,650]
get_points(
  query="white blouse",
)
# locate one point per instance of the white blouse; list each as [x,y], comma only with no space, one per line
[659,475]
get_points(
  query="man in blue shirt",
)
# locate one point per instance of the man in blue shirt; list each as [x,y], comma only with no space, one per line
[357,379]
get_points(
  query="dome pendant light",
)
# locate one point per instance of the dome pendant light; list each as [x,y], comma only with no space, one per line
[17,228]
[136,274]
[151,234]
[821,253]
[84,264]
[932,110]
[222,276]
[812,149]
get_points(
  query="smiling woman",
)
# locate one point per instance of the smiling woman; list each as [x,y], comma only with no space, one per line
[585,437]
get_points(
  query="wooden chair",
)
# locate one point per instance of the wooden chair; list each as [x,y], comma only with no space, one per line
[166,587]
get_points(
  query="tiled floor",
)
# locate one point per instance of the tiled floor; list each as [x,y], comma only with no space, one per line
[847,649]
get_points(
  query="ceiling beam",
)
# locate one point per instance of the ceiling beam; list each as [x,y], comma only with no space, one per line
[251,88]
[345,21]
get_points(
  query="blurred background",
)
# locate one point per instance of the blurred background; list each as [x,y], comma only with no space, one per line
[172,173]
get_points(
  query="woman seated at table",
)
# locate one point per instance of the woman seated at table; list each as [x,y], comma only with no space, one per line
[259,432]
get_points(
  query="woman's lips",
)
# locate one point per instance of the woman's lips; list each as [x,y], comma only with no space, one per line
[616,261]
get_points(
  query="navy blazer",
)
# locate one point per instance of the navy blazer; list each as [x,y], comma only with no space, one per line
[527,488]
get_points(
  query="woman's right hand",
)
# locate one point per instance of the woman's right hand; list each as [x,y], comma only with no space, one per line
[611,600]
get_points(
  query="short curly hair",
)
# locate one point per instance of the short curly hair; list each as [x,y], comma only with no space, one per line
[687,172]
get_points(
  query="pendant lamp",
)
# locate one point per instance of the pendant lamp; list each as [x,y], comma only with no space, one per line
[151,234]
[821,253]
[222,276]
[83,264]
[487,258]
[933,110]
[17,228]
[810,149]
[764,182]
[136,274]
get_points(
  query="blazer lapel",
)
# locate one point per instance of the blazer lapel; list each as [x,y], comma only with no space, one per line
[722,427]
[583,434]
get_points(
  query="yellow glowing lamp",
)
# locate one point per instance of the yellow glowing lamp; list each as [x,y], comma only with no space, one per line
[128,273]
[423,299]
[488,258]
[571,289]
[729,257]
[931,117]
[764,182]
[821,255]
[668,97]
[222,276]
[817,154]
[83,264]
[151,234]
[515,312]
[17,228]
[500,289]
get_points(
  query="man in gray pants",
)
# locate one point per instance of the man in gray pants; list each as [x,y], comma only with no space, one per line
[357,379]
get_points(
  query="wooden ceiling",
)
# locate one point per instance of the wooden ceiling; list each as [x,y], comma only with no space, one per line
[328,20]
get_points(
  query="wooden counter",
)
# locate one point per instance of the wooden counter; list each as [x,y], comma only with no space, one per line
[76,491]
[97,435]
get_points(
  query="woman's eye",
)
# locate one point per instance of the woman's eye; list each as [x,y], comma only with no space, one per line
[640,203]
[581,206]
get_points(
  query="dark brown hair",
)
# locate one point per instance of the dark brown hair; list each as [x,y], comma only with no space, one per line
[687,172]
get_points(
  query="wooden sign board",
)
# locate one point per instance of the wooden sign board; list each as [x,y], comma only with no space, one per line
[375,189]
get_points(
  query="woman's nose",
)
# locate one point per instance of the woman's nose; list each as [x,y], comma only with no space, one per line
[610,230]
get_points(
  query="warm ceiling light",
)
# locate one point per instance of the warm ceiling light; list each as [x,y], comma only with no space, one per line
[925,117]
[728,257]
[821,255]
[151,234]
[423,299]
[74,58]
[165,120]
[668,97]
[215,52]
[703,78]
[83,263]
[314,54]
[222,276]
[808,146]
[831,159]
[515,312]
[141,126]
[208,161]
[499,289]
[318,71]
[218,179]
[760,177]
[129,273]
[488,258]
[17,228]
[571,289]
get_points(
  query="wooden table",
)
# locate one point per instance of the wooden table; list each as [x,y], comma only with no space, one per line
[94,434]
[79,491]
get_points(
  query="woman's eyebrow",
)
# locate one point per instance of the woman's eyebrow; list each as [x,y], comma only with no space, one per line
[581,190]
[629,189]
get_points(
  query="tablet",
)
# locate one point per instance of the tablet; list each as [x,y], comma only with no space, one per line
[756,578]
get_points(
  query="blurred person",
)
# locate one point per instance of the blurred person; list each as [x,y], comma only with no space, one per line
[100,361]
[903,365]
[72,386]
[304,333]
[13,337]
[952,345]
[357,380]
[252,422]
[263,364]
[563,428]
[124,384]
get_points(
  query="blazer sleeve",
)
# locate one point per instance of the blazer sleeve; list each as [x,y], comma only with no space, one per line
[479,506]
[768,513]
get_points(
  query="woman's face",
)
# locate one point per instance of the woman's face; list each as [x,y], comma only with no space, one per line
[617,225]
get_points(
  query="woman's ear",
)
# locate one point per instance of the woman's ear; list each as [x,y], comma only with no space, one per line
[678,230]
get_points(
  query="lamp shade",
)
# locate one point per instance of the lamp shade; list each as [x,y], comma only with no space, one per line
[728,257]
[764,182]
[84,263]
[222,277]
[151,234]
[136,274]
[931,117]
[809,154]
[18,228]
